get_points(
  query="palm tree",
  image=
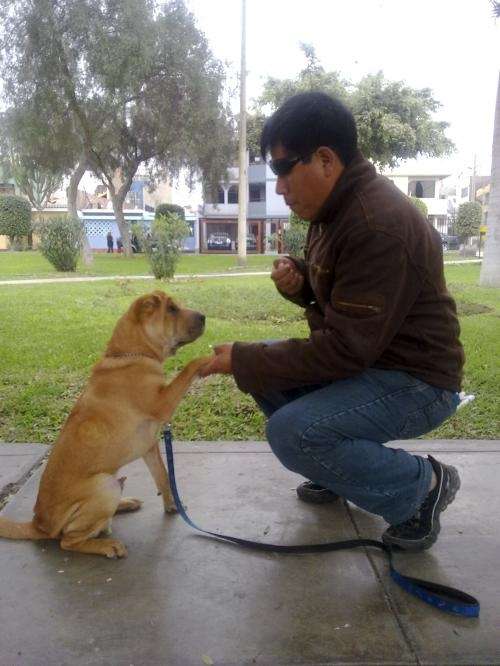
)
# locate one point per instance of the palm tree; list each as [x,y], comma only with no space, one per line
[490,269]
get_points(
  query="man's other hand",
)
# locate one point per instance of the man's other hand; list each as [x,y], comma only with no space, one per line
[286,276]
[220,363]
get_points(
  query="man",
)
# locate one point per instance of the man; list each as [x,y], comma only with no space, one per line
[109,242]
[383,360]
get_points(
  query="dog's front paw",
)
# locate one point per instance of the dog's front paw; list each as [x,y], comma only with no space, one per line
[170,508]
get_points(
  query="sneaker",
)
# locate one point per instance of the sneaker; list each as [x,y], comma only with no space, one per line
[422,529]
[314,494]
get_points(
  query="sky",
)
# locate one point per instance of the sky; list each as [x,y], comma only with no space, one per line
[450,46]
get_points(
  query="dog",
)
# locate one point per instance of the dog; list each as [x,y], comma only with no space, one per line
[115,421]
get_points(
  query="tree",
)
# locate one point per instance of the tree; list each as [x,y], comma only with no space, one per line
[490,269]
[15,217]
[170,209]
[468,219]
[137,81]
[38,146]
[394,121]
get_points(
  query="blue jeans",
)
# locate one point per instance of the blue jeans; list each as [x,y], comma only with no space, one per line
[334,434]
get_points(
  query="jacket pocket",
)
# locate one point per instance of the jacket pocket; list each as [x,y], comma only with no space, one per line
[357,309]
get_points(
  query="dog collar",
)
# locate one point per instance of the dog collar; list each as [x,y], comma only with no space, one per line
[133,354]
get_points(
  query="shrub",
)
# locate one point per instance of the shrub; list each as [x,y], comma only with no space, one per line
[294,237]
[170,209]
[61,240]
[163,244]
[15,218]
[469,218]
[421,205]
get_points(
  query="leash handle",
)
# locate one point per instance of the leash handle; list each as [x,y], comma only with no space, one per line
[442,597]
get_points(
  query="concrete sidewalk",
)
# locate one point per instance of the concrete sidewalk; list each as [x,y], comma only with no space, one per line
[184,600]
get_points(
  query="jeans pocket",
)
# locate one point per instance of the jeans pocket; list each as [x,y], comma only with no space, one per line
[431,415]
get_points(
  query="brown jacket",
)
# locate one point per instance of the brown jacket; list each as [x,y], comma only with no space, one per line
[374,295]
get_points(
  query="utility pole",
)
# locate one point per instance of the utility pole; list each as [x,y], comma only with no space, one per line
[243,164]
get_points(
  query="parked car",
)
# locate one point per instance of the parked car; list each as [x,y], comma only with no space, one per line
[219,241]
[450,242]
[251,242]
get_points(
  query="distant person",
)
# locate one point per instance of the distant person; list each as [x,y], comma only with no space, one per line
[119,245]
[109,241]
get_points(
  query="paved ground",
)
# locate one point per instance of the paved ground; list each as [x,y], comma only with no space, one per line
[183,600]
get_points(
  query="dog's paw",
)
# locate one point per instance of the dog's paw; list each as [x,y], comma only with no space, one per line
[113,549]
[170,508]
[129,504]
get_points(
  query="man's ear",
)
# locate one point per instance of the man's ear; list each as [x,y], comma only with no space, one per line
[329,159]
[146,305]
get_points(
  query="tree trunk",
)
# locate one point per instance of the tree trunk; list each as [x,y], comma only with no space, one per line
[71,195]
[490,269]
[117,201]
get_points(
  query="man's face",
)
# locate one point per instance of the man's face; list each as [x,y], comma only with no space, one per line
[308,184]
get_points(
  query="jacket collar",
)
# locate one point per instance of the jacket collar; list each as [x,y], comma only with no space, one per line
[354,176]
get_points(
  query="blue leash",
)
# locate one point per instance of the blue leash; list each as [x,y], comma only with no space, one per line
[445,598]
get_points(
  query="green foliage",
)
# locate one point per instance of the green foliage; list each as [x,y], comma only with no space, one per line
[15,217]
[294,236]
[421,205]
[394,121]
[163,244]
[168,208]
[61,241]
[468,219]
[115,71]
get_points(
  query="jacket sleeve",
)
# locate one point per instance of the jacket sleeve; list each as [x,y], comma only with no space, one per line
[375,287]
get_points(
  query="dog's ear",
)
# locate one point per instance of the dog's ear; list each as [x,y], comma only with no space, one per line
[146,305]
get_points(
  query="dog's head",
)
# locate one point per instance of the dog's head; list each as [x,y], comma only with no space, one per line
[166,322]
[156,323]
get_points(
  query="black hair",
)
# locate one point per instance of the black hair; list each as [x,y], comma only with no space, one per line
[309,120]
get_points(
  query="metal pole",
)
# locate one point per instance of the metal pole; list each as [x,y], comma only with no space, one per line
[243,168]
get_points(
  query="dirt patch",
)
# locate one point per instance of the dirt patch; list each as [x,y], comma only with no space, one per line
[465,309]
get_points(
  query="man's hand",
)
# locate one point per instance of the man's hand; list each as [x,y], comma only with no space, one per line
[287,278]
[220,363]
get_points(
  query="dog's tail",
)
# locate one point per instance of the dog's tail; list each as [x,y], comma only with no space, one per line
[11,530]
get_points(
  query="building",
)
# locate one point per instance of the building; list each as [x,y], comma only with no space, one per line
[427,184]
[267,213]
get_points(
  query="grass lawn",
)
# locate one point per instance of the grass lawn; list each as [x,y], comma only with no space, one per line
[52,334]
[19,265]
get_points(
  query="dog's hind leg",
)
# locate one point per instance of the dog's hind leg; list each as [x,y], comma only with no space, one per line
[92,517]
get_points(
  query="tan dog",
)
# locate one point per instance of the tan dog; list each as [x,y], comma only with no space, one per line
[115,420]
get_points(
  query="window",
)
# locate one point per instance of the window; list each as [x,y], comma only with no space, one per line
[232,194]
[257,192]
[422,189]
[220,195]
[465,192]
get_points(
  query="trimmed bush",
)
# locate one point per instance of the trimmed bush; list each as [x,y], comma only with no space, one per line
[170,209]
[163,244]
[294,237]
[421,205]
[61,240]
[15,218]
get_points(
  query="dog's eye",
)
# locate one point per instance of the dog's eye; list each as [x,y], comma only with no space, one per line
[172,309]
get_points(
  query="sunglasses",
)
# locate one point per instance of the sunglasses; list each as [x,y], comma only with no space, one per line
[283,165]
